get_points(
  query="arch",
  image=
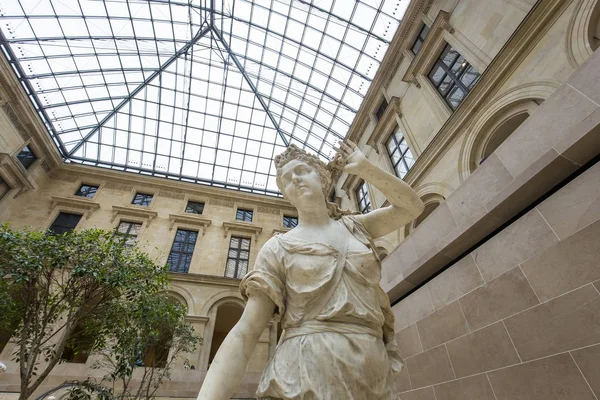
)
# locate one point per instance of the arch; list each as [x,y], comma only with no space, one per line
[182,295]
[226,316]
[177,297]
[518,100]
[583,32]
[431,200]
[219,298]
[383,247]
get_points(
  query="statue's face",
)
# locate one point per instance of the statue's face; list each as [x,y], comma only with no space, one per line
[301,183]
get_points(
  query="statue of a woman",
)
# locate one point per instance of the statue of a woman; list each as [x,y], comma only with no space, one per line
[321,280]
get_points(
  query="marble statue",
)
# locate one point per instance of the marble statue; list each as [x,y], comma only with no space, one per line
[321,280]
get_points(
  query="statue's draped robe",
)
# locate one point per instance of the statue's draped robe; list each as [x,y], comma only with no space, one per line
[338,338]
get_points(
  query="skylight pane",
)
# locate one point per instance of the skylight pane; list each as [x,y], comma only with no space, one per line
[122,83]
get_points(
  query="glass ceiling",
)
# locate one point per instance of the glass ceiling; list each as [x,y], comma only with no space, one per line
[205,91]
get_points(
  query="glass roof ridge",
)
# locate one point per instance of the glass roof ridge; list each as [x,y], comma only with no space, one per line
[200,91]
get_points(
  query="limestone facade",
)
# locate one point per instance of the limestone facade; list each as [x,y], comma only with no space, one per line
[495,290]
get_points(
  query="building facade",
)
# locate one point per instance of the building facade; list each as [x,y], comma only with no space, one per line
[490,111]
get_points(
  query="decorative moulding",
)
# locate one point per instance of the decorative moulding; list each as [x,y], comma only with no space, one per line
[242,227]
[78,203]
[430,48]
[15,174]
[280,231]
[189,220]
[196,318]
[133,211]
[386,124]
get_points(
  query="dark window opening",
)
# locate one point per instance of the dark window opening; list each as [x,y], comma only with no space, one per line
[381,109]
[142,199]
[420,39]
[290,222]
[86,191]
[453,76]
[27,157]
[194,207]
[4,188]
[237,257]
[400,154]
[244,215]
[129,232]
[64,222]
[78,346]
[362,197]
[182,250]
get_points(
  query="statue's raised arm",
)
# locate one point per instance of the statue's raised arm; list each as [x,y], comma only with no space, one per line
[321,280]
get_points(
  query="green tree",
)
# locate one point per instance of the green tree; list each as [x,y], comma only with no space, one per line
[145,338]
[51,284]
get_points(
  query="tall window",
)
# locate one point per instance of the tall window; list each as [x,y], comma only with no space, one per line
[400,155]
[129,231]
[237,258]
[78,345]
[26,157]
[453,76]
[194,207]
[244,215]
[4,188]
[142,199]
[362,197]
[381,109]
[64,222]
[290,222]
[86,191]
[420,39]
[182,250]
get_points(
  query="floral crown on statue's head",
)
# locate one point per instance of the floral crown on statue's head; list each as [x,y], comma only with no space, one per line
[293,152]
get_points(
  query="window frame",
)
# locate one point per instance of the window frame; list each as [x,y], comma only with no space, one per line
[64,226]
[402,159]
[381,108]
[30,159]
[362,192]
[289,217]
[186,264]
[245,212]
[96,187]
[420,38]
[145,197]
[7,185]
[187,207]
[126,235]
[238,250]
[455,76]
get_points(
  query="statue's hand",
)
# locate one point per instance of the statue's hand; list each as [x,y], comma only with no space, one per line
[350,158]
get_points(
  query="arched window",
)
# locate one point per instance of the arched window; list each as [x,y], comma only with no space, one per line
[498,129]
[431,202]
[78,345]
[228,315]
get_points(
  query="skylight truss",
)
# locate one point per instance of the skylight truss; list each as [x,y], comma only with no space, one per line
[201,91]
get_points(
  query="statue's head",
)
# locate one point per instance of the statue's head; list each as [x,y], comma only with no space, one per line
[305,180]
[295,162]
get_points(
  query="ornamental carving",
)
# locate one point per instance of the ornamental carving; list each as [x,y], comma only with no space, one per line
[171,195]
[14,119]
[220,203]
[113,185]
[268,210]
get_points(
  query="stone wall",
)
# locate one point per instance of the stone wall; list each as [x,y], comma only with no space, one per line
[517,318]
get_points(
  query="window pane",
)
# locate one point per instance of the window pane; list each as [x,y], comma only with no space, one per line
[86,191]
[141,199]
[64,222]
[469,77]
[194,207]
[182,250]
[455,97]
[26,157]
[437,74]
[237,260]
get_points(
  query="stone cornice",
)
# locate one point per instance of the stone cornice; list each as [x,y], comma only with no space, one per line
[186,220]
[386,123]
[535,24]
[82,203]
[28,118]
[243,227]
[195,318]
[137,180]
[202,278]
[133,211]
[280,231]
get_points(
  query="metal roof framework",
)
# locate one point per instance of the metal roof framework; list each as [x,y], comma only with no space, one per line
[205,91]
